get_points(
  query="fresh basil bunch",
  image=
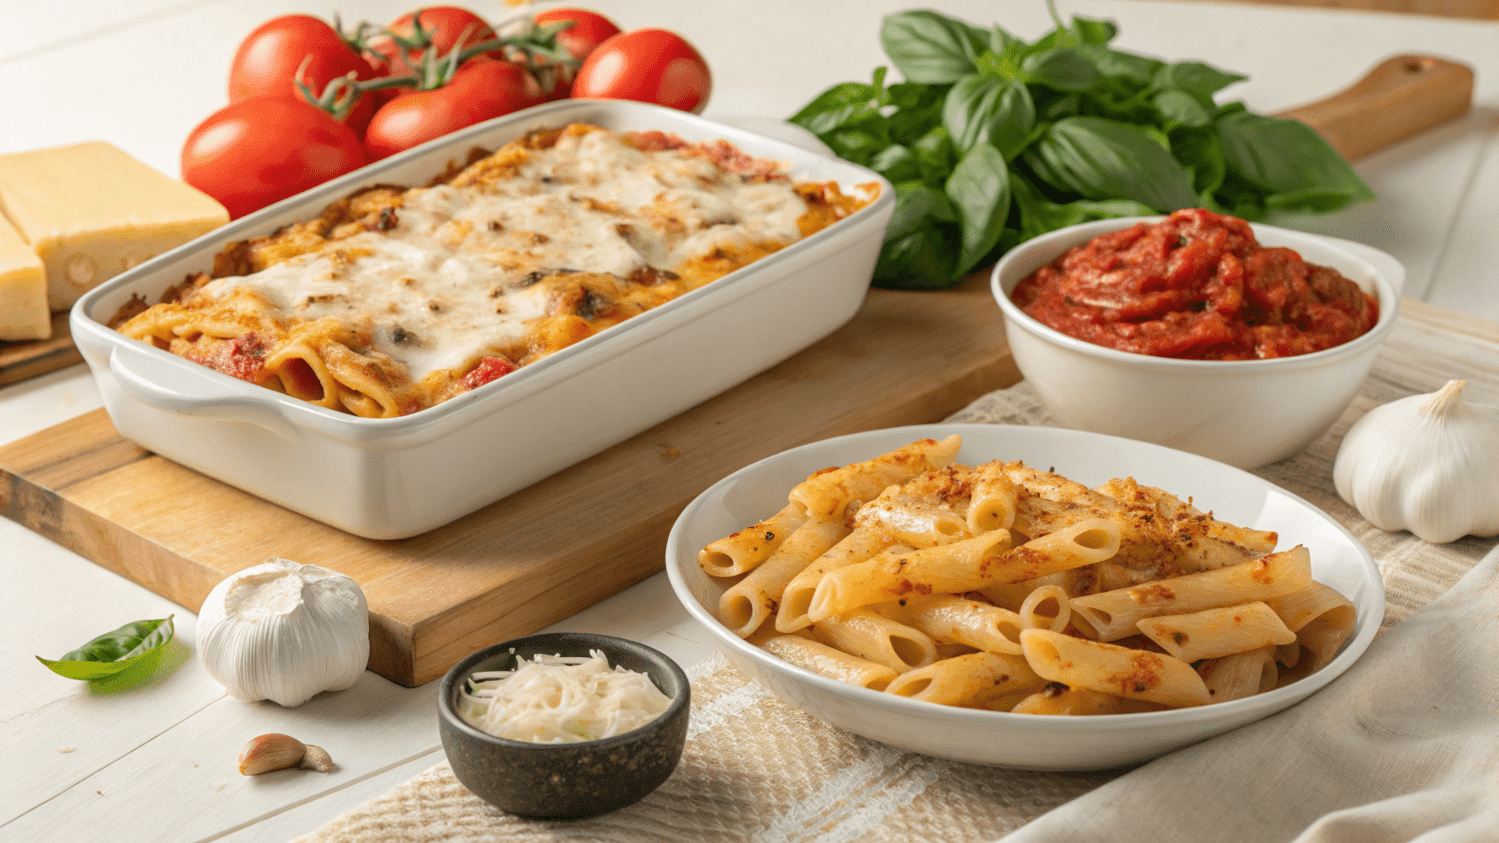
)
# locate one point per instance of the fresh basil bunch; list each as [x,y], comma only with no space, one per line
[991,141]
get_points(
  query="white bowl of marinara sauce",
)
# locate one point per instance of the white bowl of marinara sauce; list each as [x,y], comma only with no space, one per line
[1247,413]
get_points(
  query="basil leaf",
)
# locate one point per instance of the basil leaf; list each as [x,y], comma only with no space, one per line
[1290,162]
[915,205]
[1064,68]
[1137,70]
[856,144]
[1096,158]
[983,109]
[838,106]
[114,651]
[910,123]
[931,48]
[1194,77]
[921,260]
[936,154]
[1199,152]
[1094,31]
[980,189]
[1181,109]
[896,163]
[1038,215]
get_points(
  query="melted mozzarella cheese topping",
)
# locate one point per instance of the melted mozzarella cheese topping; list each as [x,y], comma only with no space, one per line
[449,280]
[556,699]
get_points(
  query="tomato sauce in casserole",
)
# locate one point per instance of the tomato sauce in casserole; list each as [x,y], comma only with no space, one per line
[1196,285]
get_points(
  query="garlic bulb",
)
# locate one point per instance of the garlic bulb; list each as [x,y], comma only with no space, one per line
[283,631]
[1426,463]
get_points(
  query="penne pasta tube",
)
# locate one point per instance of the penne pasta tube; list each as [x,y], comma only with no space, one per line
[994,501]
[829,661]
[1047,607]
[827,492]
[739,553]
[869,635]
[946,569]
[1239,675]
[969,680]
[1299,608]
[1110,615]
[1317,642]
[1136,674]
[1058,699]
[949,618]
[863,543]
[914,526]
[1085,542]
[749,602]
[1213,633]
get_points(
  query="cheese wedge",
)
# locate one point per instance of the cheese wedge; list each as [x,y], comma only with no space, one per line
[24,314]
[90,212]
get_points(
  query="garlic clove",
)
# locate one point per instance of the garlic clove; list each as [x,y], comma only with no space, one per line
[318,759]
[284,632]
[275,751]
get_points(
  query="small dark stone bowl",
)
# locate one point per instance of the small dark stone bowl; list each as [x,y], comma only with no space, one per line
[569,780]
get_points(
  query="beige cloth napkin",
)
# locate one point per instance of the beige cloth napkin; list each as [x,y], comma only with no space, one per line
[757,769]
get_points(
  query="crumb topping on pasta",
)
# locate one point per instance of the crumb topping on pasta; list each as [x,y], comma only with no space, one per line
[1005,587]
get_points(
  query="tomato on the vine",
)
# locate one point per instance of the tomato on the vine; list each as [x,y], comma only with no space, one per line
[443,25]
[267,61]
[648,65]
[587,31]
[481,89]
[261,150]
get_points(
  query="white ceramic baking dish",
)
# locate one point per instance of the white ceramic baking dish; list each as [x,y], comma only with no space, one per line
[394,478]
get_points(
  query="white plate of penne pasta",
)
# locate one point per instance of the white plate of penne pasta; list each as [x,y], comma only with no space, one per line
[1023,596]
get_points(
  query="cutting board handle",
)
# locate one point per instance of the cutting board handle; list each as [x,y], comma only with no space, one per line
[1401,96]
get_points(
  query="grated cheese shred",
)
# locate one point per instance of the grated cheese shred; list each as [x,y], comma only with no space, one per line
[561,699]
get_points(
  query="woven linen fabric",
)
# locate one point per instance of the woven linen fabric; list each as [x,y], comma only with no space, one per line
[758,769]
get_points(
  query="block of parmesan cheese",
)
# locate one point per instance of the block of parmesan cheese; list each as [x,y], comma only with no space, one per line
[90,212]
[24,314]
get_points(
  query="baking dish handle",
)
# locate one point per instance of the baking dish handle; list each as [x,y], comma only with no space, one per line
[160,386]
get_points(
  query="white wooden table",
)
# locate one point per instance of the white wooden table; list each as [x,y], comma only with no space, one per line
[157,762]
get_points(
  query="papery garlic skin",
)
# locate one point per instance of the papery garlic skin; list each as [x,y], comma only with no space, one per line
[285,632]
[1425,463]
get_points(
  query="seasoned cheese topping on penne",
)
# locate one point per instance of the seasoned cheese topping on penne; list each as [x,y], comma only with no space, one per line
[1003,587]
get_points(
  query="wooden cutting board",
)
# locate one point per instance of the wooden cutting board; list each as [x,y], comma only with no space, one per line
[567,542]
[542,554]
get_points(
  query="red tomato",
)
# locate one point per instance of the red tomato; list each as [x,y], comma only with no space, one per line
[481,89]
[588,30]
[647,65]
[445,25]
[487,370]
[267,60]
[260,150]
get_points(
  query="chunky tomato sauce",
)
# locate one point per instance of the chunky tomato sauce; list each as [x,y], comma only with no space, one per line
[1196,285]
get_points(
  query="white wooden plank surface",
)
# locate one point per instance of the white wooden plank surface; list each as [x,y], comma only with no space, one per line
[131,774]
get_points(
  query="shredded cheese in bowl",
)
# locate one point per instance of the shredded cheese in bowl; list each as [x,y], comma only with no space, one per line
[560,699]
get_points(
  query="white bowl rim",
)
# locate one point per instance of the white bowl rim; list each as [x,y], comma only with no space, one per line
[1352,650]
[1388,299]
